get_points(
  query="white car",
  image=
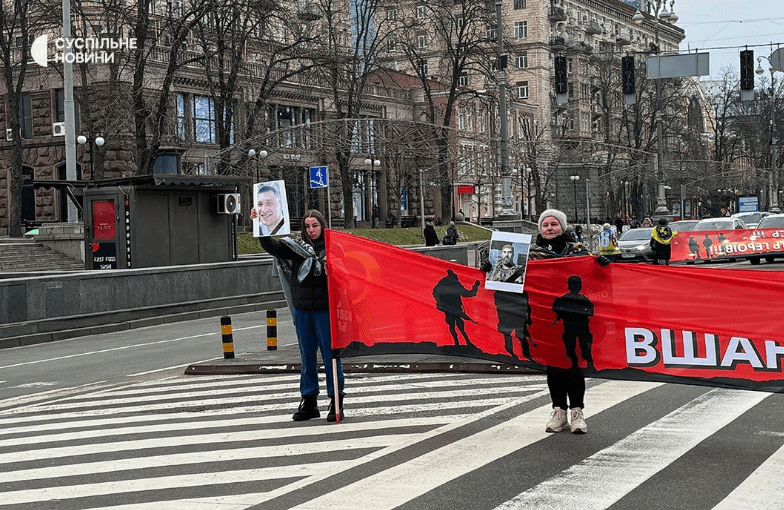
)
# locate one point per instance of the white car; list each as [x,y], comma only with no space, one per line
[751,219]
[723,223]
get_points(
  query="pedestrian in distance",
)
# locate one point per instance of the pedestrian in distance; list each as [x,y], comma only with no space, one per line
[430,234]
[608,242]
[310,304]
[566,385]
[619,225]
[452,235]
[661,237]
[647,222]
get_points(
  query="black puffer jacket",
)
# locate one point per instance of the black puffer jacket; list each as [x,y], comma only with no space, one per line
[310,293]
[562,246]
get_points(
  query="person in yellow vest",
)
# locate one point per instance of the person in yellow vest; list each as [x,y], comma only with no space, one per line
[608,242]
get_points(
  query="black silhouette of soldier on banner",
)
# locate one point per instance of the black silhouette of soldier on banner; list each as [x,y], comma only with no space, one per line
[514,317]
[449,294]
[575,310]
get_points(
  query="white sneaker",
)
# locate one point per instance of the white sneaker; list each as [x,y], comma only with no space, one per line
[558,420]
[578,422]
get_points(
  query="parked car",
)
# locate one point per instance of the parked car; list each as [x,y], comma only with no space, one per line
[635,245]
[751,219]
[723,223]
[770,221]
[683,225]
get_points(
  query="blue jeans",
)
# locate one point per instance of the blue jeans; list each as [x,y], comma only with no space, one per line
[313,334]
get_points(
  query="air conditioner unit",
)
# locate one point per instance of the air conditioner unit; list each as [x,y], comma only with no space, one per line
[9,135]
[229,203]
[58,129]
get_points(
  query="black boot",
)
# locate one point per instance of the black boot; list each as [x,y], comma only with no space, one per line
[308,408]
[331,415]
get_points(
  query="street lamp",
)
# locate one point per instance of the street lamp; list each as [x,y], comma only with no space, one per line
[98,141]
[663,15]
[373,192]
[261,154]
[574,179]
[776,61]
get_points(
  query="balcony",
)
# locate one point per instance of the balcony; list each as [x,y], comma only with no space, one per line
[558,43]
[622,41]
[593,28]
[556,14]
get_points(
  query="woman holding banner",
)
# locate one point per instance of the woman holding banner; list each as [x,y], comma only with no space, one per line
[567,386]
[310,304]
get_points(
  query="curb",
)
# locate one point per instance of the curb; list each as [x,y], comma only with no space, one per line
[287,368]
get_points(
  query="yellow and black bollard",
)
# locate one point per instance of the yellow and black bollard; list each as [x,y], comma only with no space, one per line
[272,330]
[228,338]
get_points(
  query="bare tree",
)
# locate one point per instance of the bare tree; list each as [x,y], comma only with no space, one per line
[454,41]
[17,19]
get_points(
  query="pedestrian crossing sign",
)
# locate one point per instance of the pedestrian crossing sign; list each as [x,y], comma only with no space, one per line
[319,177]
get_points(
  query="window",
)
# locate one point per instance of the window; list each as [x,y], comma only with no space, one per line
[568,66]
[460,22]
[26,115]
[461,121]
[422,41]
[521,60]
[391,45]
[391,13]
[204,119]
[180,106]
[521,29]
[59,105]
[571,90]
[462,81]
[492,34]
[522,90]
[469,119]
[175,8]
[421,12]
[519,4]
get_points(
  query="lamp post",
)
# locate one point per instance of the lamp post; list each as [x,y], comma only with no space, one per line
[506,176]
[98,141]
[372,191]
[776,61]
[574,179]
[252,153]
[663,15]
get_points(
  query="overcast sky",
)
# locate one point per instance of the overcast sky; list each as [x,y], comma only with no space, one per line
[724,27]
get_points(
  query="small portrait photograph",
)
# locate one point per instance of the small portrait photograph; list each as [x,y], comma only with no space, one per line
[508,255]
[270,209]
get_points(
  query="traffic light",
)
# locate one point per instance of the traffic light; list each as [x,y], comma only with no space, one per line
[627,75]
[747,70]
[561,82]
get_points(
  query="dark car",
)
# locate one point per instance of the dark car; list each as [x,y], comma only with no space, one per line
[635,245]
[770,221]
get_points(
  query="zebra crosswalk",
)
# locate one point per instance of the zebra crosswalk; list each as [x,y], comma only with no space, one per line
[409,441]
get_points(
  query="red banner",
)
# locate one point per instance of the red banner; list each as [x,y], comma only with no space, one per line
[693,246]
[623,321]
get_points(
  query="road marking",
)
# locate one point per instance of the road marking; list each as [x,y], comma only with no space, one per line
[398,485]
[102,351]
[173,367]
[605,477]
[761,489]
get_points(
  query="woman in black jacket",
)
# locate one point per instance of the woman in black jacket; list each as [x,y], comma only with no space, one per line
[566,385]
[310,304]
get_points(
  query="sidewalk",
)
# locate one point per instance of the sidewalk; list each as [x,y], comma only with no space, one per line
[285,359]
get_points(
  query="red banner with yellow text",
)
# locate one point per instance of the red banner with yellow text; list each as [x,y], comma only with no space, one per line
[624,321]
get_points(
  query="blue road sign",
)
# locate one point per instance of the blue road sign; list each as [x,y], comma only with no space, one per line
[319,177]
